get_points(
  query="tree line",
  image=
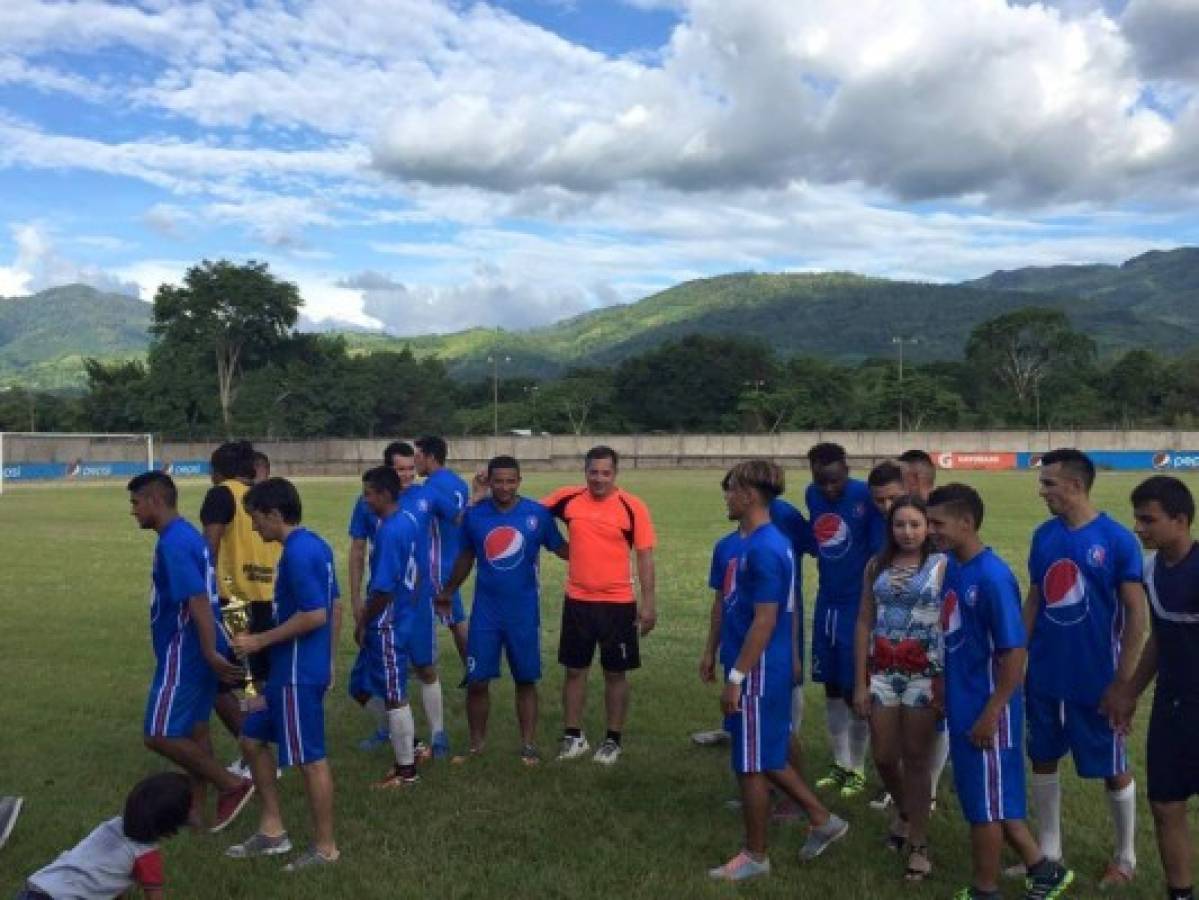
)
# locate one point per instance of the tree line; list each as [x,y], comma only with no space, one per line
[225,359]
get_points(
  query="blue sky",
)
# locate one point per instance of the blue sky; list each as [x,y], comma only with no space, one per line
[425,165]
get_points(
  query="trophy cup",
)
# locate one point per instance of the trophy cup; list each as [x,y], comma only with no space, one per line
[236,617]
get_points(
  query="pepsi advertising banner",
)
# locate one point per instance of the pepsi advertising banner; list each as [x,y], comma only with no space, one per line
[91,470]
[1129,460]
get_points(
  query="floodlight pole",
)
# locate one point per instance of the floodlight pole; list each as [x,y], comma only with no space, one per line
[900,341]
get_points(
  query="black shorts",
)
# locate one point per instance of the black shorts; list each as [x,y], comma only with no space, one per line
[613,626]
[261,618]
[1172,750]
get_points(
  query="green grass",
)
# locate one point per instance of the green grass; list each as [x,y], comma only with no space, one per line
[75,657]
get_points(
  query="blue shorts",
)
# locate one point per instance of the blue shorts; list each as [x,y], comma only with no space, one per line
[294,718]
[386,664]
[833,645]
[989,783]
[179,700]
[1057,727]
[761,732]
[422,635]
[457,611]
[520,641]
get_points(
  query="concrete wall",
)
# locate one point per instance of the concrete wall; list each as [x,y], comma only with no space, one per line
[565,452]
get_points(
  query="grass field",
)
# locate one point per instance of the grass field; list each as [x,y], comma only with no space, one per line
[76,659]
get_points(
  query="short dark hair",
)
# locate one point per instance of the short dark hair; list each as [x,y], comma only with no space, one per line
[397,448]
[1171,493]
[261,459]
[275,494]
[233,459]
[961,499]
[884,473]
[1073,461]
[434,446]
[157,807]
[384,480]
[761,475]
[502,462]
[918,458]
[826,454]
[601,451]
[157,481]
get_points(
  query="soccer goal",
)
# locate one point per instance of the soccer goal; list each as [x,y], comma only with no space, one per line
[71,456]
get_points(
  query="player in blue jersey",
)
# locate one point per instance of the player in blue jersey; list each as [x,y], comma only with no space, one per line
[1086,616]
[846,531]
[431,454]
[387,616]
[1164,510]
[189,647]
[756,640]
[504,535]
[301,646]
[984,640]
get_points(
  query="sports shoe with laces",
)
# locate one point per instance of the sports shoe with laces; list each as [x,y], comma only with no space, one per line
[259,844]
[819,839]
[398,777]
[572,747]
[230,803]
[1048,883]
[854,784]
[608,753]
[310,859]
[529,755]
[740,868]
[834,779]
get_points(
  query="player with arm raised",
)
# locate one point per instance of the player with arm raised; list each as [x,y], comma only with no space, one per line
[189,648]
[1086,617]
[504,534]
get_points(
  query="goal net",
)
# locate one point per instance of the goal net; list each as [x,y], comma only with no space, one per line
[27,456]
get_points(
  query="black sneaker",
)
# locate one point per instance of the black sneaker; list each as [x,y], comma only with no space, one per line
[1050,880]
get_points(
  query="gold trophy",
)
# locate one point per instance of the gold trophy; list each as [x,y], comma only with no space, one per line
[236,617]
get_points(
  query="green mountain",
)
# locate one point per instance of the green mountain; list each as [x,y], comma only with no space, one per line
[1149,301]
[45,337]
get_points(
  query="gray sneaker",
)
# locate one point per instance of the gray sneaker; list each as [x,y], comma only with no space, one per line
[820,838]
[10,808]
[529,755]
[259,844]
[608,753]
[572,747]
[310,859]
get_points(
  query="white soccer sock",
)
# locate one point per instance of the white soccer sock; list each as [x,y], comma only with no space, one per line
[378,711]
[1047,801]
[940,757]
[836,714]
[430,698]
[403,732]
[859,736]
[1124,814]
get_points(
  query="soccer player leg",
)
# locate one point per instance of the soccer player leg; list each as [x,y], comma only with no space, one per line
[990,783]
[178,700]
[843,666]
[1172,762]
[1100,752]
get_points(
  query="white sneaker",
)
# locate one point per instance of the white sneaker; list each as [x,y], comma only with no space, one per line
[608,753]
[572,747]
[710,738]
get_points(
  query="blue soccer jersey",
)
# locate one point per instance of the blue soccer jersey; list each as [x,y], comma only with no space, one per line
[305,581]
[506,545]
[447,537]
[980,617]
[845,535]
[394,567]
[1075,643]
[427,508]
[182,570]
[765,574]
[363,522]
[722,577]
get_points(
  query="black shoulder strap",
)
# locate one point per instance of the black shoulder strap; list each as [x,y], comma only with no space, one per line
[558,510]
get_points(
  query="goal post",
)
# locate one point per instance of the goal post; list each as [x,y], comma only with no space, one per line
[73,456]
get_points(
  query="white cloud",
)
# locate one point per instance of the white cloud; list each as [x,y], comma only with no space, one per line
[1165,36]
[39,265]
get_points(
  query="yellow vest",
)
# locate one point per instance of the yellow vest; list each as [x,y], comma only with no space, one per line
[246,563]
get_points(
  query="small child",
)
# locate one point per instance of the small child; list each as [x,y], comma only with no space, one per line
[122,852]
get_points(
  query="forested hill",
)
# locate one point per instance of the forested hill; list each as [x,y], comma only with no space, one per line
[1149,301]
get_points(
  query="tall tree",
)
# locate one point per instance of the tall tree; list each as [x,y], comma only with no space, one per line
[238,314]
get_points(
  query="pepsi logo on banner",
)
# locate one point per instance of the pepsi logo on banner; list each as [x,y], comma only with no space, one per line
[1161,460]
[1065,593]
[951,620]
[730,580]
[833,536]
[504,547]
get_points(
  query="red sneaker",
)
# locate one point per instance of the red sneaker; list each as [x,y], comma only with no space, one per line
[230,803]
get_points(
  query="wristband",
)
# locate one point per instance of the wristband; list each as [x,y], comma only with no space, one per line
[736,676]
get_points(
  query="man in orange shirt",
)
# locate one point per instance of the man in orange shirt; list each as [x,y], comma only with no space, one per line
[605,524]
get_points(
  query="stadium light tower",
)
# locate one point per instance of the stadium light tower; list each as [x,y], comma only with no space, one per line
[495,359]
[899,341]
